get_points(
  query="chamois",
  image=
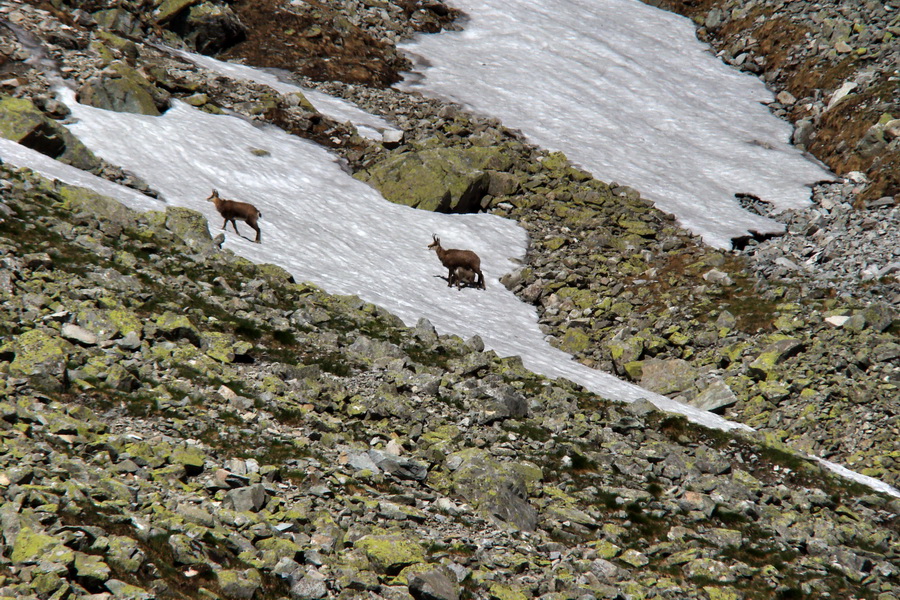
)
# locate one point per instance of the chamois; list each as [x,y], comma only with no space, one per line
[456,260]
[232,210]
[463,276]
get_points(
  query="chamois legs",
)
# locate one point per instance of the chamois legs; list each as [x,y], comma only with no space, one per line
[465,276]
[252,225]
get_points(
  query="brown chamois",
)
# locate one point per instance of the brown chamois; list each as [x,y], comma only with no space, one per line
[455,259]
[232,210]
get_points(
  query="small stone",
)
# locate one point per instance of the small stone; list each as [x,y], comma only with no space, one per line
[436,584]
[786,98]
[837,320]
[250,498]
[843,47]
[76,333]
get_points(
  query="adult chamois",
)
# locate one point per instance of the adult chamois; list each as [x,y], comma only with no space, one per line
[232,210]
[456,261]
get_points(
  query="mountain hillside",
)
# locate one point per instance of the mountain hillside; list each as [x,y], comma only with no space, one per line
[178,422]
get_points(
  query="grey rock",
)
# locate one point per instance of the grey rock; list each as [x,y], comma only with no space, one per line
[308,588]
[76,333]
[375,349]
[250,498]
[497,489]
[717,395]
[211,28]
[436,584]
[504,403]
[362,461]
[667,376]
[401,467]
[604,569]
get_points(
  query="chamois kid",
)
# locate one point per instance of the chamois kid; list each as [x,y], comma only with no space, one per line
[463,277]
[232,210]
[456,261]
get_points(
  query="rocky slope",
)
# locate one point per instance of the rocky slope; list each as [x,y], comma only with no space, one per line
[274,441]
[181,423]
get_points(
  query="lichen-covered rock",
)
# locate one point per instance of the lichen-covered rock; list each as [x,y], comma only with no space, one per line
[499,591]
[667,376]
[497,489]
[626,350]
[169,9]
[239,585]
[190,225]
[574,340]
[91,568]
[434,584]
[223,347]
[189,457]
[441,179]
[176,326]
[126,591]
[274,273]
[211,28]
[118,20]
[126,47]
[778,350]
[30,546]
[122,88]
[41,357]
[124,553]
[22,122]
[390,553]
[78,200]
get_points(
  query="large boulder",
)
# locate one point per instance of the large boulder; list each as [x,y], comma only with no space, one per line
[667,376]
[169,10]
[436,584]
[210,28]
[22,122]
[390,553]
[497,489]
[118,20]
[449,180]
[82,200]
[121,88]
[189,225]
[41,358]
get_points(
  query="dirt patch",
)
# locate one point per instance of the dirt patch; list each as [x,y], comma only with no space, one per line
[688,8]
[778,39]
[840,131]
[319,44]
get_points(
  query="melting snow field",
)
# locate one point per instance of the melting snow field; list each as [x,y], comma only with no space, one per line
[627,92]
[325,227]
[330,229]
